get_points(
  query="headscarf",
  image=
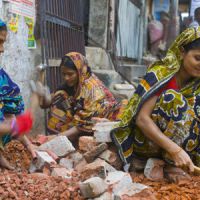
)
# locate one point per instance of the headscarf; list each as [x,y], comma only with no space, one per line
[158,74]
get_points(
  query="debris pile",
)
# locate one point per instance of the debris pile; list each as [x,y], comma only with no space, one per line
[91,171]
[18,156]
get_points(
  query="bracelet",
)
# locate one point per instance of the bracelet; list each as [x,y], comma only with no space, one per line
[176,152]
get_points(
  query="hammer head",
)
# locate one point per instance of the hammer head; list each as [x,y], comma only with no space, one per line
[41,67]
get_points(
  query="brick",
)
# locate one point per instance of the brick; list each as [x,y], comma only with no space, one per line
[93,187]
[112,158]
[86,143]
[118,180]
[98,168]
[95,152]
[61,172]
[102,131]
[154,169]
[60,145]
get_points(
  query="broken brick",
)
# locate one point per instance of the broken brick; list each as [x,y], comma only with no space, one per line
[86,143]
[95,152]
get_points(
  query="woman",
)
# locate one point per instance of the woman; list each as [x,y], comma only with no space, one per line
[162,117]
[11,104]
[80,99]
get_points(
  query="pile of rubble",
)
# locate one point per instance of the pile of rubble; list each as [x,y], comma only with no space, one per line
[90,171]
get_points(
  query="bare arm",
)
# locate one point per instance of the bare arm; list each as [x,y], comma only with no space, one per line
[151,130]
[5,128]
[71,133]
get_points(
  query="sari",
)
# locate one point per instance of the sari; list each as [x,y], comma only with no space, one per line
[91,99]
[11,101]
[176,113]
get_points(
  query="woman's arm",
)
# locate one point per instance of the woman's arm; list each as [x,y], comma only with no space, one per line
[151,130]
[5,128]
[71,133]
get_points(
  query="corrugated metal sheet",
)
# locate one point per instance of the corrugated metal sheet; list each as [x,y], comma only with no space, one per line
[128,29]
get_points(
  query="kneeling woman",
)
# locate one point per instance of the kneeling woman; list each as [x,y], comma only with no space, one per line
[80,99]
[162,118]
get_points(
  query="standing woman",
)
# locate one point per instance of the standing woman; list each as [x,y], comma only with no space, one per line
[162,118]
[80,99]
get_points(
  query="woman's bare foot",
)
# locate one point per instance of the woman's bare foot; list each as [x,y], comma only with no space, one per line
[4,163]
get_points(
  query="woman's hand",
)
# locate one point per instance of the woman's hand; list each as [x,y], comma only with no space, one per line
[182,159]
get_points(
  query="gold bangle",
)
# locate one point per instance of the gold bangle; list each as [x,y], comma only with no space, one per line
[174,153]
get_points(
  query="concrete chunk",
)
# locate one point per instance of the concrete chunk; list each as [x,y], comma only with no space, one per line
[98,168]
[102,131]
[129,193]
[93,187]
[118,180]
[71,160]
[61,172]
[112,158]
[60,145]
[154,169]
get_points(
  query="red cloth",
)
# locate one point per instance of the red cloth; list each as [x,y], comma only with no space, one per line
[172,84]
[22,124]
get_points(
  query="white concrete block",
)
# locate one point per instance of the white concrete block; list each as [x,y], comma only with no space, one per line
[93,187]
[118,180]
[60,145]
[102,131]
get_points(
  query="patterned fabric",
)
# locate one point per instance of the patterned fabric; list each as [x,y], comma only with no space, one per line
[2,23]
[126,135]
[11,101]
[91,99]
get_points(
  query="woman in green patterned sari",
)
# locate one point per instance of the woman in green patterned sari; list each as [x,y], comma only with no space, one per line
[162,118]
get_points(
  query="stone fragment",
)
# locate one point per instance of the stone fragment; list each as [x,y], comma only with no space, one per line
[98,168]
[154,169]
[67,163]
[61,172]
[118,180]
[95,152]
[43,159]
[93,187]
[102,131]
[135,192]
[60,145]
[86,143]
[112,158]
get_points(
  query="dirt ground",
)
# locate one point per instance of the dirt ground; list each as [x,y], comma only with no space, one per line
[163,190]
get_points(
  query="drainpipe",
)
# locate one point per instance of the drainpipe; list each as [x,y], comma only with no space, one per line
[174,22]
[141,31]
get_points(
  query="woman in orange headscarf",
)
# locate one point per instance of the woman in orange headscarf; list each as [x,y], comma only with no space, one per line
[81,98]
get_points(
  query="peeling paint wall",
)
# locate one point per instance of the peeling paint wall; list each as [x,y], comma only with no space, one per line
[19,62]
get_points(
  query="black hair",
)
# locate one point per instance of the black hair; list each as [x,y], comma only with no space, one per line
[196,11]
[192,45]
[67,62]
[3,28]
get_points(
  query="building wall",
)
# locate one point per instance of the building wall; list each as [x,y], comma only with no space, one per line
[19,62]
[98,21]
[128,29]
